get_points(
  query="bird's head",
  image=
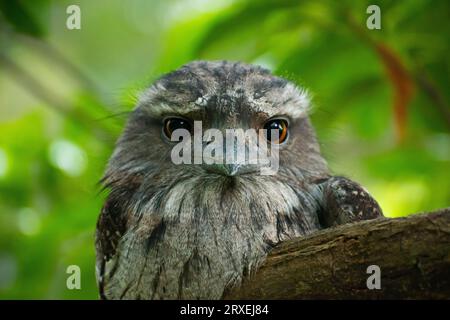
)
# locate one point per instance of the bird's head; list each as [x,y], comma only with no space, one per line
[233,115]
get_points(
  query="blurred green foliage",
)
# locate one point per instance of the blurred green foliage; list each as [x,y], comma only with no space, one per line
[65,94]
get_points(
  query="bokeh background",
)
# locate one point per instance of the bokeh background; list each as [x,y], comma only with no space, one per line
[381,106]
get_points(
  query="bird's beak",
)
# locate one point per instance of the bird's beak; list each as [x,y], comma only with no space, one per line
[230,169]
[238,165]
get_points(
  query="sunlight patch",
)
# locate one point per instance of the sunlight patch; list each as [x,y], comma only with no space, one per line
[29,221]
[68,157]
[398,198]
[3,163]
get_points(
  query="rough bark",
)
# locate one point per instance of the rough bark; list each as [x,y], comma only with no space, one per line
[413,254]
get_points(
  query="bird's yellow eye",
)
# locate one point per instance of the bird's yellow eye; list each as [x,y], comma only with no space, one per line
[281,126]
[172,124]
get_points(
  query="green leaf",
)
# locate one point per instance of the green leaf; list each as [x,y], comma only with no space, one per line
[21,18]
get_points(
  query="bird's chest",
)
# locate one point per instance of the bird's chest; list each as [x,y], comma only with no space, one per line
[204,243]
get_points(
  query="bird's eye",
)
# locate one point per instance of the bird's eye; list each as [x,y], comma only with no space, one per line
[281,126]
[172,124]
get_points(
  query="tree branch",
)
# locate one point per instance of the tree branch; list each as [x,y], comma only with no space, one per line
[413,254]
[50,98]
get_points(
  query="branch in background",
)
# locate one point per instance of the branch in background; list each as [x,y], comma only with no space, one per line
[54,55]
[430,88]
[402,80]
[16,23]
[413,254]
[399,76]
[402,83]
[24,78]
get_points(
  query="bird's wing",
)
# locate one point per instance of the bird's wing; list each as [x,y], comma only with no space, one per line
[111,226]
[346,201]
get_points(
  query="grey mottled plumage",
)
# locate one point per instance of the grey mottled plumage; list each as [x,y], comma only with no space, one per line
[185,232]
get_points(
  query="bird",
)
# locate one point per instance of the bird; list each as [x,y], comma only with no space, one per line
[194,231]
